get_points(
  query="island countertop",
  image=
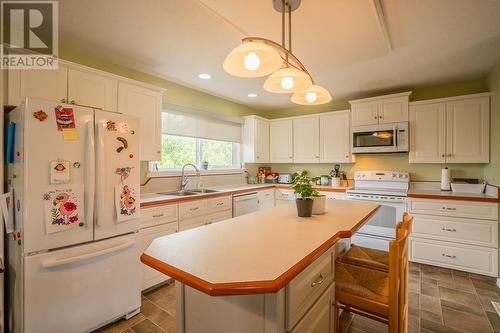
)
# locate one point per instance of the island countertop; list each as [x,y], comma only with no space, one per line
[254,253]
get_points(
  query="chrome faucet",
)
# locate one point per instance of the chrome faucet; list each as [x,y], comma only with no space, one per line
[184,180]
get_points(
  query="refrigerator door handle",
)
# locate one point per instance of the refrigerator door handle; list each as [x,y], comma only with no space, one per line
[100,172]
[65,261]
[90,173]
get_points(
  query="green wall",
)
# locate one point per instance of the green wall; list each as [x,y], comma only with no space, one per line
[418,172]
[492,171]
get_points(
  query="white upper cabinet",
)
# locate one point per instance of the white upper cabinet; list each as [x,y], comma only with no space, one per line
[255,140]
[450,130]
[306,140]
[92,90]
[468,130]
[428,133]
[334,141]
[146,104]
[281,141]
[393,110]
[38,83]
[380,110]
[365,113]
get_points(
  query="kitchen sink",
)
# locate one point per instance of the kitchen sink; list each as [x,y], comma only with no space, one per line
[204,191]
[180,193]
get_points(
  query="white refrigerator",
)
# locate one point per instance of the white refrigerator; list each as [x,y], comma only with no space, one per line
[74,253]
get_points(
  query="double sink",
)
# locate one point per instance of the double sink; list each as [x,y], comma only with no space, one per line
[185,193]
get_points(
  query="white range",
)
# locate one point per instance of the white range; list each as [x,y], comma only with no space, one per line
[388,189]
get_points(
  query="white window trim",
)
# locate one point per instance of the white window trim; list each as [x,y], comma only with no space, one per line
[152,173]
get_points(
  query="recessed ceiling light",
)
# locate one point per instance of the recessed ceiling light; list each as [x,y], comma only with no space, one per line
[204,76]
[252,95]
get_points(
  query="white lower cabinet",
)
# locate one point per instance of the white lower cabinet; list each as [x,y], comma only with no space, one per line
[333,195]
[150,276]
[321,316]
[283,196]
[197,213]
[217,217]
[265,199]
[475,259]
[191,223]
[456,234]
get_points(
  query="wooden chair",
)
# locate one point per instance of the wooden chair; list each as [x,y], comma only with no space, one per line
[373,258]
[374,293]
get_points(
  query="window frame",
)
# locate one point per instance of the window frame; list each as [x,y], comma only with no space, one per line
[154,171]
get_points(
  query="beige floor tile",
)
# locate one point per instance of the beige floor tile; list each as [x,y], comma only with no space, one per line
[467,299]
[169,324]
[153,312]
[147,326]
[122,324]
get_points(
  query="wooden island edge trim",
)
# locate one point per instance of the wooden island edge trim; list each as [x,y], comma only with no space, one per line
[250,287]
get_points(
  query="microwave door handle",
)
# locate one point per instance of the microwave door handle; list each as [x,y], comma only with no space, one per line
[395,141]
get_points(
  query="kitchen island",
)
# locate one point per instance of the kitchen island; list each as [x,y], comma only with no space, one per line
[269,271]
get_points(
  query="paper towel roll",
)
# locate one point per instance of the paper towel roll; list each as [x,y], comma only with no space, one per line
[445,179]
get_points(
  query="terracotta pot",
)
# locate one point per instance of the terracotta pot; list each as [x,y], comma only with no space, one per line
[319,204]
[304,207]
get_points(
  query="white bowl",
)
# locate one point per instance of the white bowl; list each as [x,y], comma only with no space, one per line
[468,188]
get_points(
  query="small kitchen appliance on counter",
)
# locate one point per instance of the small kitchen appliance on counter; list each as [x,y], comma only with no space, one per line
[285,178]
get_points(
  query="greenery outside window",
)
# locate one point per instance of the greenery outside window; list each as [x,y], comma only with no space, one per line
[178,150]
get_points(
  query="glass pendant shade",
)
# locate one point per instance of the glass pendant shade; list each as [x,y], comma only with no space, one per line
[313,95]
[252,59]
[287,80]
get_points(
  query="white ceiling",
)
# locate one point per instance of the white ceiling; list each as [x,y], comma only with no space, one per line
[339,41]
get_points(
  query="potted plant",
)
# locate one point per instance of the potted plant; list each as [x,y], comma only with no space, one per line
[204,165]
[303,187]
[319,204]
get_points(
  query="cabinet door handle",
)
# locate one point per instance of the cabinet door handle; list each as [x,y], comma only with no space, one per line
[443,155]
[72,102]
[194,208]
[375,117]
[449,256]
[318,281]
[449,155]
[449,230]
[220,203]
[450,208]
[158,215]
[63,100]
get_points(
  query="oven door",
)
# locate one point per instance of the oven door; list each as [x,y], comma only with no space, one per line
[381,227]
[375,138]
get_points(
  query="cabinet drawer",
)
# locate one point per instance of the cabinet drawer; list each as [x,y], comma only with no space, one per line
[192,208]
[334,195]
[266,199]
[218,204]
[284,194]
[320,317]
[158,215]
[453,229]
[471,209]
[470,258]
[303,291]
[191,223]
[220,216]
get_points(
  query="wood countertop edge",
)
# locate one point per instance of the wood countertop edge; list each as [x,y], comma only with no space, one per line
[229,192]
[451,197]
[250,287]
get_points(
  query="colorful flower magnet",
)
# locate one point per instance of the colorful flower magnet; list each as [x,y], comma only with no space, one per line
[111,125]
[123,172]
[40,115]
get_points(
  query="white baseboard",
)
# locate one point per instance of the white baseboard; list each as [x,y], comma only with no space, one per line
[498,282]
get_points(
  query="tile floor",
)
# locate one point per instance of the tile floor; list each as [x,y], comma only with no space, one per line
[441,301]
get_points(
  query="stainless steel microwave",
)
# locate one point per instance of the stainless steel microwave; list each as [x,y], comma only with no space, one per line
[383,138]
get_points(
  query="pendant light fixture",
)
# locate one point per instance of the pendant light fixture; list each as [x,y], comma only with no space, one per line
[257,57]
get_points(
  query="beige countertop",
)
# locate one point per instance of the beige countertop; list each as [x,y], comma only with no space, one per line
[152,199]
[254,253]
[449,195]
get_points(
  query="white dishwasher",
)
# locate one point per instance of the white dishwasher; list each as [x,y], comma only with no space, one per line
[245,203]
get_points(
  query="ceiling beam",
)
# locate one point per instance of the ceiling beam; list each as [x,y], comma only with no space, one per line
[382,23]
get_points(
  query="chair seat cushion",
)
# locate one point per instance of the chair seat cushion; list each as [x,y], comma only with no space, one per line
[363,256]
[362,282]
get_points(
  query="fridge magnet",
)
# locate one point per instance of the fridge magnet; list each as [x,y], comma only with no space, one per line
[111,125]
[6,203]
[126,202]
[124,144]
[70,134]
[123,172]
[63,209]
[59,172]
[11,133]
[40,115]
[65,118]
